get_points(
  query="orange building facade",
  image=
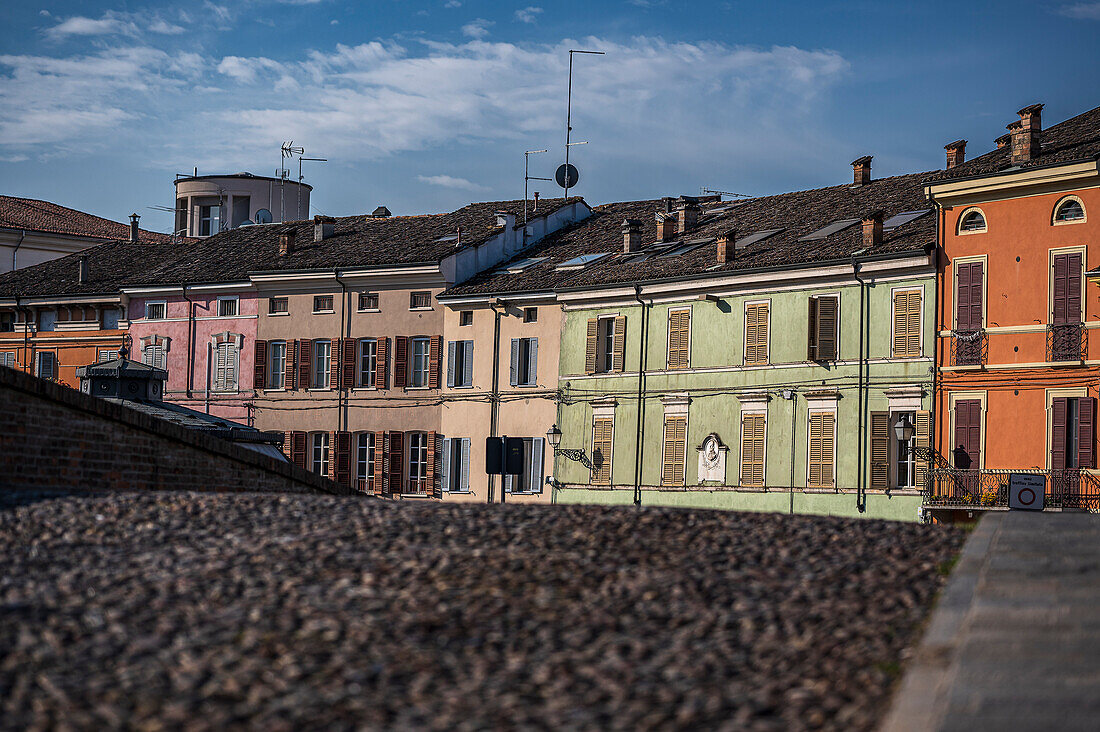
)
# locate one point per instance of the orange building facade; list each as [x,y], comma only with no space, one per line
[1018,347]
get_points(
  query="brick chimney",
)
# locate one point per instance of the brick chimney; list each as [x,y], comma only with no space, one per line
[134,219]
[727,245]
[1025,134]
[632,235]
[956,153]
[323,227]
[1002,141]
[666,226]
[861,171]
[687,213]
[872,229]
[286,242]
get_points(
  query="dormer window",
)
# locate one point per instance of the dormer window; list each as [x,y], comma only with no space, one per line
[1068,211]
[972,222]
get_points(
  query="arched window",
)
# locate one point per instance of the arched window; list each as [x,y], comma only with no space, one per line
[1069,210]
[972,222]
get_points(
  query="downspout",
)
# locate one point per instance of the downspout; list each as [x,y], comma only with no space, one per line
[190,340]
[15,252]
[209,356]
[794,431]
[861,504]
[941,234]
[343,395]
[494,397]
[640,430]
[26,335]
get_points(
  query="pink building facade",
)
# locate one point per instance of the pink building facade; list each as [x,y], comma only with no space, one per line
[204,335]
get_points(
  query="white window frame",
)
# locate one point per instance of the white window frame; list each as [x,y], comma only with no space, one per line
[962,217]
[51,359]
[7,358]
[811,410]
[236,305]
[360,347]
[605,343]
[534,483]
[457,366]
[369,448]
[331,309]
[1058,207]
[453,464]
[675,406]
[320,453]
[525,374]
[1083,251]
[984,259]
[162,303]
[602,412]
[421,462]
[272,348]
[324,382]
[420,307]
[278,313]
[414,372]
[221,379]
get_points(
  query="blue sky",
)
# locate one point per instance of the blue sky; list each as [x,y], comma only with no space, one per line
[424,106]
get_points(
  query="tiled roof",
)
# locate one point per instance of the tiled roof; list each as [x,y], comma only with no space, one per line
[357,241]
[797,214]
[35,215]
[1078,138]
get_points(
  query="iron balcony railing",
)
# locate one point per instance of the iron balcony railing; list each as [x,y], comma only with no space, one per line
[1072,489]
[1066,342]
[969,348]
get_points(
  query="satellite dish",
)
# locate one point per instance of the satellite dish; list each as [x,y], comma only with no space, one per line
[565,170]
[263,216]
[246,222]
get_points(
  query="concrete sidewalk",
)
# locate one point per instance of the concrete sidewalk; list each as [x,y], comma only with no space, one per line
[1014,643]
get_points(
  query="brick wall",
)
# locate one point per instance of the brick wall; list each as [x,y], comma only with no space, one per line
[56,438]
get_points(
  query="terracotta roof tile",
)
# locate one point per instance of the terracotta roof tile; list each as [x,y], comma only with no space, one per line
[52,218]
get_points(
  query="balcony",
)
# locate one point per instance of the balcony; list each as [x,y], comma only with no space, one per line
[1072,489]
[969,348]
[1067,342]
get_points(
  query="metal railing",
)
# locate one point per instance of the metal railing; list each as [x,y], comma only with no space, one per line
[1067,342]
[1072,489]
[969,348]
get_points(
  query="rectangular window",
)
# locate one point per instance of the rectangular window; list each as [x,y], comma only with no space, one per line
[7,358]
[319,449]
[822,339]
[907,322]
[419,362]
[109,317]
[967,451]
[47,365]
[460,364]
[679,338]
[602,432]
[604,351]
[466,317]
[153,355]
[822,450]
[47,320]
[1073,433]
[106,354]
[530,315]
[756,334]
[530,480]
[322,365]
[322,303]
[368,363]
[753,432]
[364,462]
[278,306]
[368,301]
[7,322]
[276,375]
[456,465]
[420,300]
[417,474]
[225,367]
[209,220]
[227,307]
[1066,289]
[155,310]
[969,279]
[524,362]
[673,455]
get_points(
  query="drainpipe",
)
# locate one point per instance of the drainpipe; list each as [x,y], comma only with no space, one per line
[861,503]
[494,398]
[209,356]
[190,341]
[639,432]
[941,234]
[342,396]
[15,252]
[26,334]
[792,396]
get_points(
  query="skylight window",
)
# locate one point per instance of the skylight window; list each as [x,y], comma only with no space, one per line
[689,247]
[829,230]
[582,261]
[452,237]
[902,218]
[755,237]
[522,264]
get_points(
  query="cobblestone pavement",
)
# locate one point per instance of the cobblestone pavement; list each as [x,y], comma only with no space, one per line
[275,612]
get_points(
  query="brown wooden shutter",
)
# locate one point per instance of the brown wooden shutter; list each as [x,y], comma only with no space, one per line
[1086,432]
[395,467]
[826,328]
[430,473]
[907,317]
[342,449]
[435,352]
[1058,433]
[591,344]
[752,450]
[679,336]
[756,334]
[400,361]
[821,450]
[602,431]
[618,358]
[334,361]
[1067,289]
[923,441]
[382,367]
[811,329]
[298,449]
[290,371]
[305,360]
[969,297]
[259,372]
[348,353]
[378,485]
[288,439]
[672,464]
[880,450]
[968,429]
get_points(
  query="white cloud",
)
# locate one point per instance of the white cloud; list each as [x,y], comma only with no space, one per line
[528,15]
[477,29]
[1082,11]
[113,23]
[81,26]
[453,4]
[447,181]
[159,25]
[334,22]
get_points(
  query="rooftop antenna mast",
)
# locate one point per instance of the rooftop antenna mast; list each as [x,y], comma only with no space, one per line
[287,151]
[300,159]
[710,191]
[569,116]
[527,177]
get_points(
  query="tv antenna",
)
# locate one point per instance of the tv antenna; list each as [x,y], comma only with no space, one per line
[710,192]
[567,176]
[300,159]
[286,152]
[527,177]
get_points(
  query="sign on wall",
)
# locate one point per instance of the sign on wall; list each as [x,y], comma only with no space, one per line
[1026,491]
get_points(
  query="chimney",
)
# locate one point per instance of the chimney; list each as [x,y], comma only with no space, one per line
[872,229]
[1025,134]
[956,153]
[666,226]
[83,271]
[727,245]
[687,213]
[323,227]
[286,242]
[1002,141]
[632,235]
[134,218]
[666,202]
[380,213]
[536,201]
[861,171]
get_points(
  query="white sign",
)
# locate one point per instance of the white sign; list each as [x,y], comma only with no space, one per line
[1026,491]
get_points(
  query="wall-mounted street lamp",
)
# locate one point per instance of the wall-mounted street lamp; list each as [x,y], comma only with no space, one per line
[904,429]
[553,436]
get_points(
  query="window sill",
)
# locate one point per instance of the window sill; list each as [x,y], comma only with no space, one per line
[278,315]
[415,310]
[320,388]
[418,388]
[225,391]
[461,386]
[461,493]
[370,310]
[525,386]
[324,312]
[363,388]
[275,390]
